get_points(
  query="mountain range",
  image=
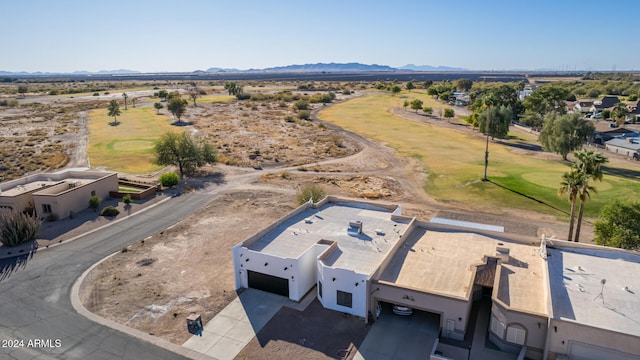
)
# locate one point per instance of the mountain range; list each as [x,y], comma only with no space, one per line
[306,68]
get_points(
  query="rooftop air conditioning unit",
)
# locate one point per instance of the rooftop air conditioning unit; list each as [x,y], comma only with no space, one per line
[355,226]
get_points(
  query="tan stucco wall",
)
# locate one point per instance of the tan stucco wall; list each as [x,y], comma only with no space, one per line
[449,308]
[535,326]
[76,199]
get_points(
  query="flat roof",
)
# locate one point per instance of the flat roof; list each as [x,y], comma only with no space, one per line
[46,180]
[578,294]
[362,253]
[445,263]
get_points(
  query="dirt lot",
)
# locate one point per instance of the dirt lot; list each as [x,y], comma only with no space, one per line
[157,282]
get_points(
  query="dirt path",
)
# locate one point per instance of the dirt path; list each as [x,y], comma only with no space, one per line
[187,268]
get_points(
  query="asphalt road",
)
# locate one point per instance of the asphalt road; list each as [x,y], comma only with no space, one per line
[37,320]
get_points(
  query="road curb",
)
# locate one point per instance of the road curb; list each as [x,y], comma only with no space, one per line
[80,309]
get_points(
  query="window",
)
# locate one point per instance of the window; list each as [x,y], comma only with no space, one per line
[516,335]
[497,327]
[344,298]
[320,288]
[93,193]
[46,208]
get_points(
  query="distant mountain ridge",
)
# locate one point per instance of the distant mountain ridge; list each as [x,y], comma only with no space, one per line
[310,68]
[412,67]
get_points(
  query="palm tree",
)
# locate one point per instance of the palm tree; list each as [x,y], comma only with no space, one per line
[589,162]
[114,110]
[125,96]
[571,184]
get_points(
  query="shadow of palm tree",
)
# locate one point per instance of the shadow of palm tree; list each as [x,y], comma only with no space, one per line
[528,197]
[11,265]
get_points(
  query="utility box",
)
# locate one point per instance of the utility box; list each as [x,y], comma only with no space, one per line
[194,324]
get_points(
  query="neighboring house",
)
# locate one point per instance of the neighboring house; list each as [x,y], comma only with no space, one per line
[528,90]
[604,132]
[56,195]
[355,256]
[634,110]
[607,103]
[583,106]
[629,146]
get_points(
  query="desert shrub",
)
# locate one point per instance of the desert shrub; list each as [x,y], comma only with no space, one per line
[310,192]
[53,92]
[96,94]
[18,228]
[126,199]
[169,179]
[94,202]
[301,105]
[304,115]
[243,96]
[289,119]
[109,211]
[346,92]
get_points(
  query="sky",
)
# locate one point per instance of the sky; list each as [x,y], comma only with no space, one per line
[189,35]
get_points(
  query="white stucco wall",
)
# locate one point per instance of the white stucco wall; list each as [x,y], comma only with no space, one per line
[344,280]
[300,272]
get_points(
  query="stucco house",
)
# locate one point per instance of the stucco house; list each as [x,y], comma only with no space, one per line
[583,106]
[56,195]
[627,146]
[356,256]
[606,103]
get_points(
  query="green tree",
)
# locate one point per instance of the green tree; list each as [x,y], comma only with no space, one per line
[184,151]
[134,101]
[589,162]
[416,104]
[94,202]
[410,86]
[126,199]
[194,93]
[563,133]
[233,88]
[463,84]
[570,185]
[177,106]
[405,104]
[163,94]
[310,192]
[544,100]
[619,225]
[22,90]
[158,106]
[125,96]
[427,84]
[17,228]
[494,121]
[619,113]
[395,89]
[449,113]
[113,110]
[427,110]
[169,179]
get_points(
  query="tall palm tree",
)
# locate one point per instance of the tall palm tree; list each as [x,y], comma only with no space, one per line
[589,162]
[571,184]
[125,96]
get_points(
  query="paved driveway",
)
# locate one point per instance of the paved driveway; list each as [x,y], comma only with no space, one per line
[395,337]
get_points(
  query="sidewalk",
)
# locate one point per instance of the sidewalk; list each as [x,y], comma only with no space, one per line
[237,324]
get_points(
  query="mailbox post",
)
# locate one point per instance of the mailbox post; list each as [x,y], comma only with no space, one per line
[194,324]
